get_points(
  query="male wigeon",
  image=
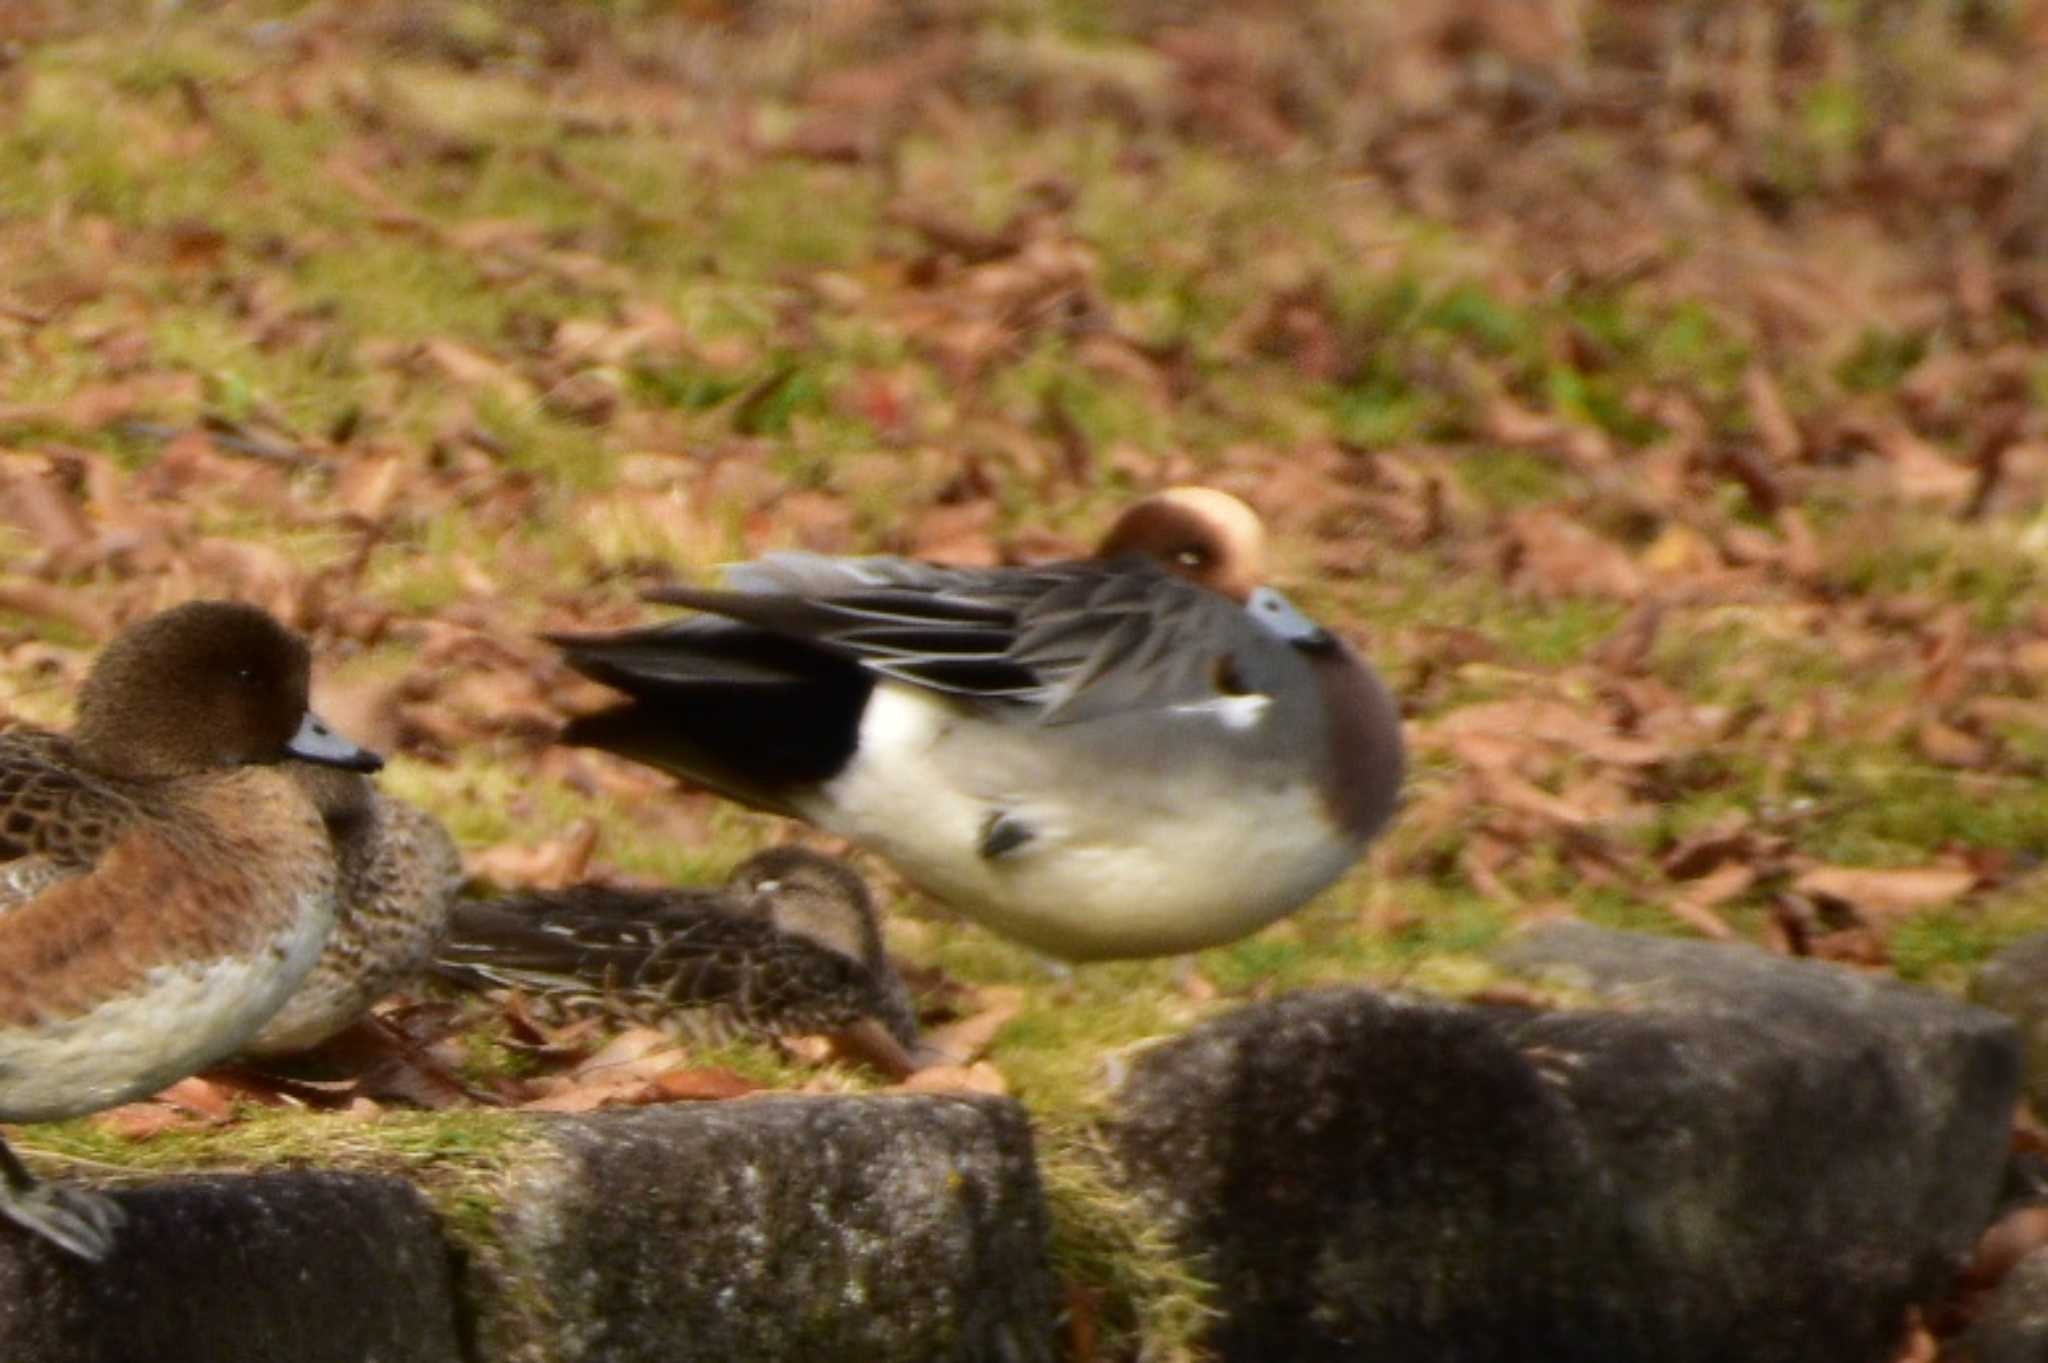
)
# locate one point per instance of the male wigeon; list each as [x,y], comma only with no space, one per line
[172,883]
[1137,754]
[399,874]
[788,946]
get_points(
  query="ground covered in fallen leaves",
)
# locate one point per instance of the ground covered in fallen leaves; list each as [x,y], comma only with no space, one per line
[1651,390]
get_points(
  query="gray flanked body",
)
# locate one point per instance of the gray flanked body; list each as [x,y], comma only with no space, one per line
[1099,759]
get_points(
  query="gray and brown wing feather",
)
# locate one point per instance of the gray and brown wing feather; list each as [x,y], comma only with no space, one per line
[1063,643]
[55,820]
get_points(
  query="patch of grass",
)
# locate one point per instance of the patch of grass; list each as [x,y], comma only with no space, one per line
[1146,1296]
[1834,119]
[1504,479]
[568,452]
[1880,360]
[1995,570]
[1941,947]
[1472,313]
[1736,656]
[771,404]
[1693,344]
[1559,634]
[1378,409]
[1598,400]
[1105,411]
[1880,806]
[688,387]
[458,1159]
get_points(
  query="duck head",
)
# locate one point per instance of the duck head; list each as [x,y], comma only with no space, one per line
[1214,541]
[1208,537]
[815,897]
[204,686]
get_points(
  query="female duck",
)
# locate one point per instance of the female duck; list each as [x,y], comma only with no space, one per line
[172,884]
[789,946]
[399,875]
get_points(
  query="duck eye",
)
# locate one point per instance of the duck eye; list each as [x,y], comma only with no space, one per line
[1192,558]
[1223,675]
[246,675]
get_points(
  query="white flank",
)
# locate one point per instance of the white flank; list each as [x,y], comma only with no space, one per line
[1123,862]
[183,1018]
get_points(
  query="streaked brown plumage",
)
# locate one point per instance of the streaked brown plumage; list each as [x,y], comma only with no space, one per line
[170,883]
[400,872]
[789,945]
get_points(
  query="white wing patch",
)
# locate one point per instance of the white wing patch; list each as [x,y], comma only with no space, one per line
[1236,713]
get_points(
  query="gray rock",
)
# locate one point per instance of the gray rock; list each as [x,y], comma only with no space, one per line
[2014,1326]
[2015,982]
[261,1268]
[1754,1160]
[776,1228]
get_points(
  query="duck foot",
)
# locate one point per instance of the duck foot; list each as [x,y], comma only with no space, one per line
[79,1220]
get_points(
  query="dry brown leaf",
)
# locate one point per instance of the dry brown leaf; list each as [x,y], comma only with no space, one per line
[1729,839]
[1887,891]
[970,1036]
[1521,722]
[648,1050]
[961,534]
[1800,555]
[1919,1344]
[979,1077]
[201,1097]
[1921,472]
[1951,747]
[368,486]
[39,505]
[1510,791]
[1863,947]
[702,1085]
[1695,905]
[1774,424]
[817,522]
[469,368]
[141,1121]
[590,1095]
[627,1071]
[189,1103]
[1680,551]
[1481,858]
[40,600]
[550,865]
[2010,1239]
[1552,555]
